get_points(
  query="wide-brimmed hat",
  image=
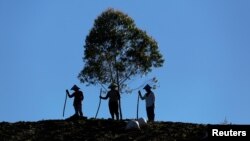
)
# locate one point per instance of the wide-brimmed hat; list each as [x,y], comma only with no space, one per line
[112,85]
[75,88]
[147,87]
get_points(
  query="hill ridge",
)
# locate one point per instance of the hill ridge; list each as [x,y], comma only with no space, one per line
[99,129]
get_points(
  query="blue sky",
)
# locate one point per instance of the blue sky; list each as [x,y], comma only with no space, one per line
[206,46]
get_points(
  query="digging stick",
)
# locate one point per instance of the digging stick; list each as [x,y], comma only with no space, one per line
[139,93]
[99,104]
[67,92]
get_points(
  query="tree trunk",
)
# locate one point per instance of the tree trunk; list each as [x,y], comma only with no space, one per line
[118,84]
[120,109]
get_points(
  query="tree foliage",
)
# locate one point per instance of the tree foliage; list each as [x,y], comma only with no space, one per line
[116,50]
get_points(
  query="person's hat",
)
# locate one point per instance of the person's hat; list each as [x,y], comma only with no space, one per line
[147,87]
[75,88]
[113,85]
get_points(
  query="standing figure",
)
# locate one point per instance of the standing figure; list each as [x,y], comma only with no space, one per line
[114,97]
[78,97]
[150,102]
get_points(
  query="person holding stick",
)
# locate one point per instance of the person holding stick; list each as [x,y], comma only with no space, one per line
[150,102]
[78,98]
[114,97]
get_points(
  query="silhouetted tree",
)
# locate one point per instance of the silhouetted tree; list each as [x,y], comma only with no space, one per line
[116,50]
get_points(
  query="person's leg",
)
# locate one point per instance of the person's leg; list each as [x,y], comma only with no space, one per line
[76,110]
[153,113]
[111,110]
[80,110]
[150,113]
[116,110]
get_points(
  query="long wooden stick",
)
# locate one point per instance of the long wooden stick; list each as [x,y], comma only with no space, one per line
[65,102]
[99,104]
[138,105]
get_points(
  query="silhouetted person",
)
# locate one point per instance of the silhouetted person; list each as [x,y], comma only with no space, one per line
[150,102]
[78,97]
[114,98]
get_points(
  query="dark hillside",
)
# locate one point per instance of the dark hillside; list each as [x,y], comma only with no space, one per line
[99,130]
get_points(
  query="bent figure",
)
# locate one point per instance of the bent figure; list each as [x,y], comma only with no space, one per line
[150,102]
[78,98]
[114,98]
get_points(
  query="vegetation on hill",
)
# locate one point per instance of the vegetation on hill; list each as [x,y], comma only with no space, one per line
[99,130]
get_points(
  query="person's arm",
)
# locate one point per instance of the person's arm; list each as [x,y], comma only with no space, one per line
[152,97]
[119,96]
[82,96]
[141,97]
[67,91]
[106,97]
